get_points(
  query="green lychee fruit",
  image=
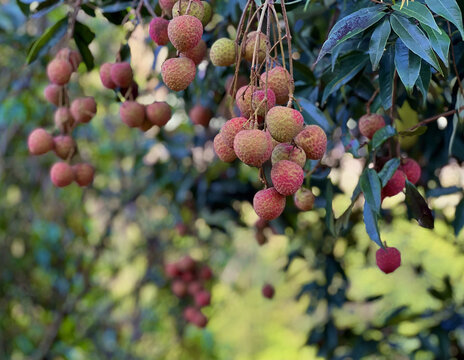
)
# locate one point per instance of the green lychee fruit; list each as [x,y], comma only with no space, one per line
[83,109]
[253,147]
[287,177]
[54,94]
[412,170]
[39,142]
[231,128]
[287,151]
[178,73]
[304,199]
[196,9]
[262,107]
[200,115]
[185,32]
[63,118]
[278,79]
[369,124]
[268,204]
[284,123]
[61,174]
[105,76]
[158,31]
[64,146]
[208,13]
[313,140]
[59,71]
[83,174]
[158,113]
[261,40]
[395,185]
[132,113]
[222,150]
[223,52]
[197,54]
[72,56]
[121,74]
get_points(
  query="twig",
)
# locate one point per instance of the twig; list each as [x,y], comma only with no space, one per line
[436,117]
[370,101]
[290,53]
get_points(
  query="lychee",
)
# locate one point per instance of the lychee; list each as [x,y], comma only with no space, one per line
[284,123]
[83,174]
[63,118]
[231,128]
[178,73]
[146,125]
[261,45]
[132,113]
[268,291]
[158,31]
[202,298]
[61,174]
[412,170]
[200,115]
[167,5]
[197,54]
[39,142]
[208,13]
[222,150]
[243,99]
[369,124]
[199,319]
[171,270]
[262,103]
[223,52]
[268,204]
[158,113]
[287,177]
[205,273]
[121,74]
[278,79]
[313,140]
[190,313]
[253,147]
[54,94]
[195,8]
[105,76]
[304,199]
[187,277]
[185,32]
[388,259]
[72,56]
[179,288]
[59,71]
[287,151]
[83,109]
[64,146]
[395,185]
[194,287]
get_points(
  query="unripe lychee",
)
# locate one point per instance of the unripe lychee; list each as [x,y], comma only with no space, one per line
[83,174]
[202,298]
[205,273]
[262,107]
[268,291]
[278,79]
[223,151]
[54,94]
[64,146]
[284,123]
[200,115]
[131,92]
[231,128]
[59,71]
[261,41]
[158,30]
[61,174]
[185,32]
[370,123]
[313,140]
[243,99]
[178,73]
[395,185]
[253,147]
[105,76]
[199,319]
[268,204]
[121,74]
[39,142]
[179,288]
[167,5]
[132,113]
[72,56]
[158,113]
[304,199]
[197,54]
[287,151]
[63,118]
[83,109]
[412,170]
[388,259]
[171,270]
[196,9]
[223,52]
[208,13]
[287,177]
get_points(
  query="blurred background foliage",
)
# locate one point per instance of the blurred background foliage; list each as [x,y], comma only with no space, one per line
[81,269]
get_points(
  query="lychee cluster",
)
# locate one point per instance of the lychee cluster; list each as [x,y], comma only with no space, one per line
[409,169]
[67,116]
[188,281]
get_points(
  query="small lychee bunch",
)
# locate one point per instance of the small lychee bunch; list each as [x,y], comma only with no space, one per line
[189,281]
[120,78]
[388,259]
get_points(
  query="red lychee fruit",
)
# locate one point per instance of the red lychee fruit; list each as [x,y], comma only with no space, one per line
[199,319]
[243,99]
[194,287]
[158,113]
[121,74]
[278,79]
[167,5]
[395,185]
[304,199]
[313,140]
[253,147]
[205,273]
[83,109]
[287,151]
[388,259]
[179,288]
[63,118]
[171,270]
[195,8]
[268,204]
[223,52]
[370,123]
[54,94]
[222,150]
[189,313]
[186,263]
[72,56]
[287,177]
[105,76]
[39,142]
[208,13]
[261,45]
[131,92]
[197,54]
[158,31]
[185,32]
[59,71]
[412,170]
[132,113]
[187,277]
[262,107]
[268,291]
[284,123]
[64,146]
[231,128]
[200,115]
[61,174]
[202,298]
[178,73]
[83,174]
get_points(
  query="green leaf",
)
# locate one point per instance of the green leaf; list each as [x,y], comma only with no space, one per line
[418,207]
[386,73]
[50,37]
[440,43]
[448,9]
[371,221]
[414,39]
[84,50]
[388,170]
[423,81]
[350,26]
[84,32]
[329,216]
[370,186]
[382,135]
[458,222]
[416,132]
[407,65]
[419,12]
[378,41]
[313,115]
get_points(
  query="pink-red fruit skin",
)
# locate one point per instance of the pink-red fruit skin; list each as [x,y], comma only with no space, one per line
[278,79]
[185,32]
[64,146]
[158,113]
[284,123]
[158,30]
[200,115]
[202,298]
[304,199]
[83,109]
[72,56]
[222,150]
[369,124]
[83,174]
[231,128]
[53,94]
[105,76]
[259,105]
[395,185]
[287,177]
[412,170]
[59,71]
[39,142]
[61,174]
[121,74]
[287,151]
[268,291]
[388,259]
[253,147]
[268,204]
[197,54]
[132,113]
[313,140]
[178,73]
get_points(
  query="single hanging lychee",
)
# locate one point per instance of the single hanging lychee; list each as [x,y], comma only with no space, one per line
[121,74]
[158,113]
[222,150]
[223,52]
[260,40]
[231,128]
[412,170]
[59,71]
[369,124]
[61,174]
[313,140]
[197,54]
[132,113]
[83,174]
[287,177]
[39,142]
[185,32]
[268,204]
[158,31]
[261,103]
[304,199]
[253,147]
[200,115]
[178,73]
[388,259]
[195,8]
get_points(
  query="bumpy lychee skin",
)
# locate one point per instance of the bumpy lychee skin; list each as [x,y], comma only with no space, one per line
[287,177]
[253,147]
[262,107]
[268,204]
[369,124]
[72,56]
[158,31]
[202,298]
[196,9]
[388,259]
[121,74]
[268,291]
[200,115]
[132,113]
[64,146]
[158,113]
[278,79]
[284,123]
[83,109]
[61,174]
[105,76]
[313,140]
[412,170]
[83,174]
[395,185]
[231,128]
[197,54]
[167,5]
[223,52]
[222,150]
[54,94]
[304,199]
[252,38]
[59,71]
[287,151]
[243,99]
[185,32]
[208,13]
[39,142]
[178,73]
[63,118]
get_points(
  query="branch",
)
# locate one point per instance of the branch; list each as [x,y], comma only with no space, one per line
[436,117]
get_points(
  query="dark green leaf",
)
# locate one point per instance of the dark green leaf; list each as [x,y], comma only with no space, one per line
[448,9]
[83,47]
[45,7]
[407,65]
[329,216]
[49,38]
[418,207]
[313,115]
[84,32]
[458,222]
[423,81]
[419,12]
[370,186]
[371,222]
[386,73]
[382,135]
[440,43]
[437,192]
[378,41]
[388,170]
[116,7]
